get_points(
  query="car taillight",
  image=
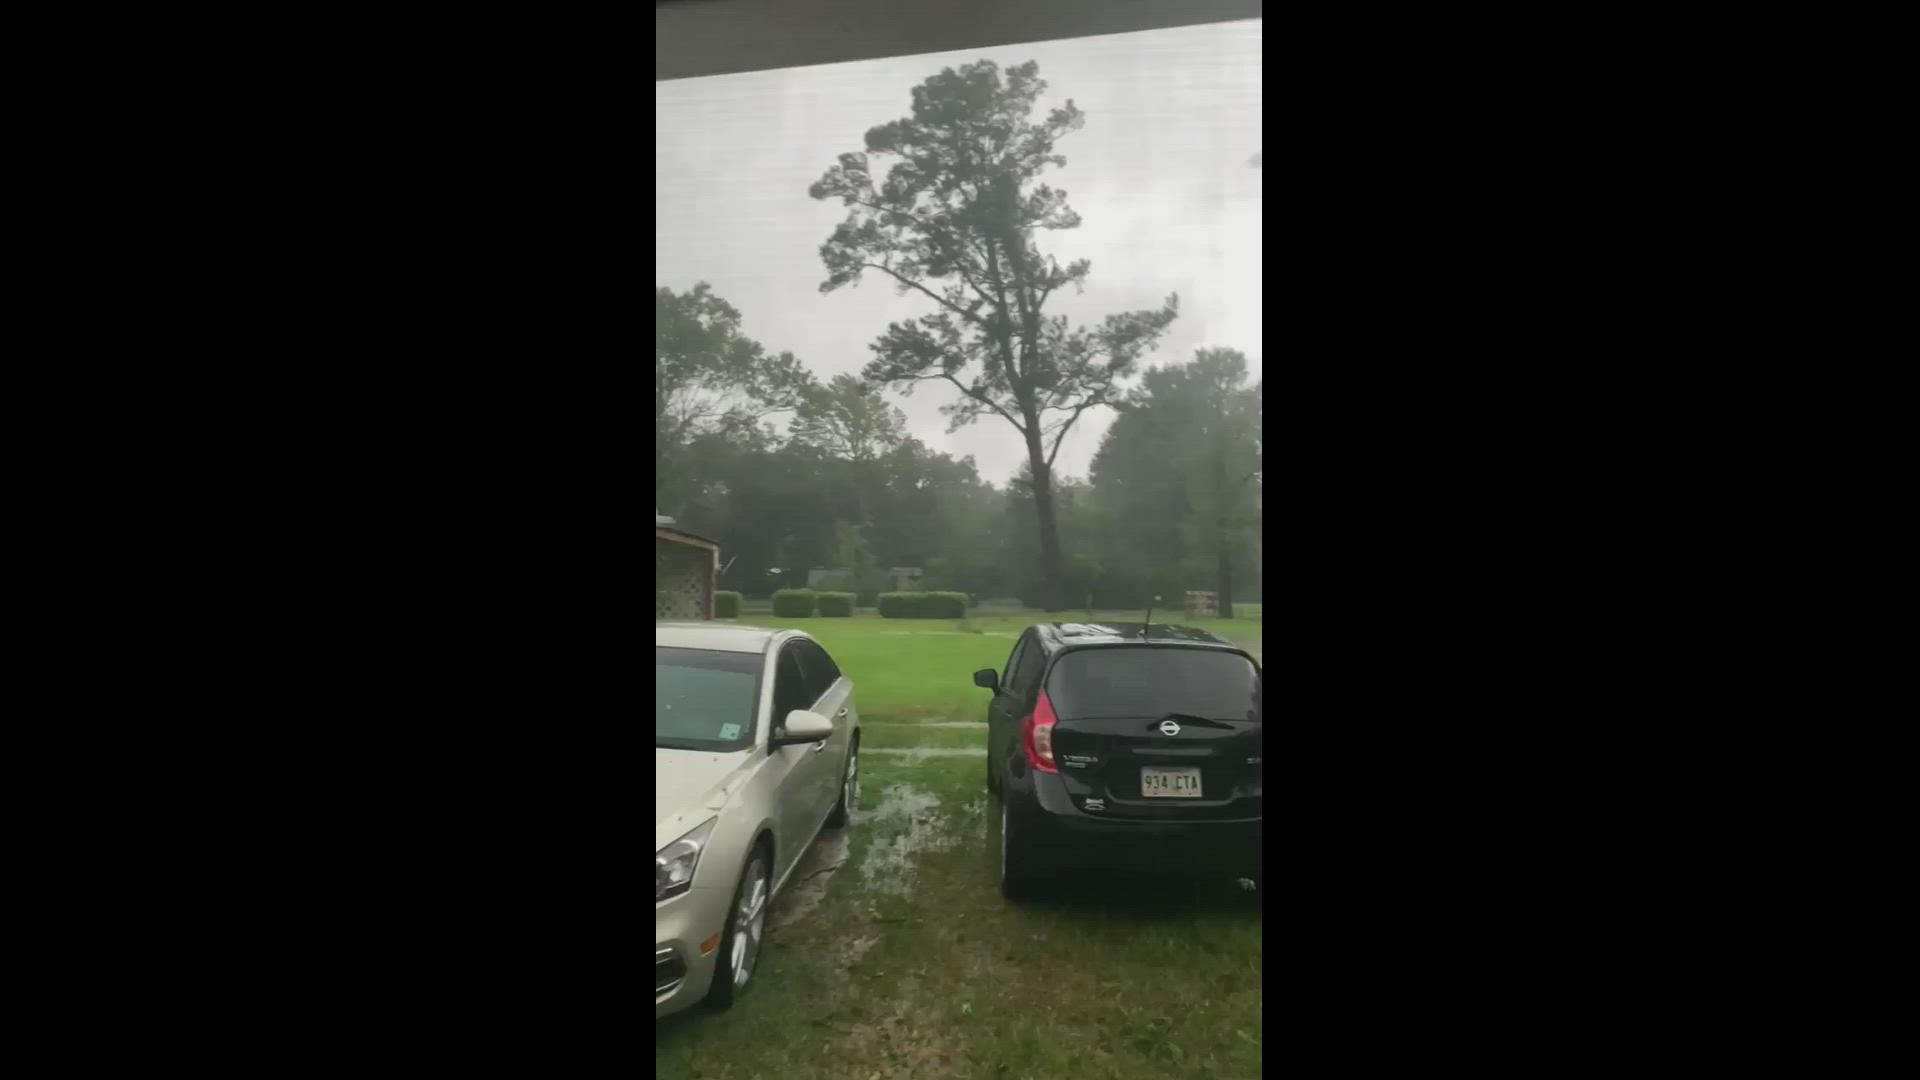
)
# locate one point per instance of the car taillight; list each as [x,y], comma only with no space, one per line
[1038,732]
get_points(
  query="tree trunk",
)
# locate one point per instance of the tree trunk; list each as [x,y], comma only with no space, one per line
[1053,598]
[1223,590]
[860,496]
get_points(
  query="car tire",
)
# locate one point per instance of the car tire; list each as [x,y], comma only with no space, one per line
[842,815]
[1019,880]
[745,931]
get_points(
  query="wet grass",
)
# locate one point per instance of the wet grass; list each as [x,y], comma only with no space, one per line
[876,735]
[908,670]
[909,963]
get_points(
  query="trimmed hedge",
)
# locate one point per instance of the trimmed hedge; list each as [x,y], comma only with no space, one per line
[838,605]
[794,603]
[726,604]
[923,605]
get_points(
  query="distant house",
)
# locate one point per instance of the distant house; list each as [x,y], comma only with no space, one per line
[904,578]
[684,568]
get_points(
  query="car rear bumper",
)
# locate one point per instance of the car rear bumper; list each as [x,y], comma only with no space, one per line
[680,926]
[1067,835]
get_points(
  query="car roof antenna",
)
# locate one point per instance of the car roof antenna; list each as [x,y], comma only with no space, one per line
[1146,628]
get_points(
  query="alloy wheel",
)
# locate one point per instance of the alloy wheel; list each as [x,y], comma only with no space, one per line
[850,790]
[749,922]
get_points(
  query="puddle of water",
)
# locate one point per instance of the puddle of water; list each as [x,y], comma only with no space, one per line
[902,804]
[810,879]
[907,823]
[914,755]
[857,948]
[973,818]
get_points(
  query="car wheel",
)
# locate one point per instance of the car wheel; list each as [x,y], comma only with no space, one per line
[746,931]
[1017,878]
[842,815]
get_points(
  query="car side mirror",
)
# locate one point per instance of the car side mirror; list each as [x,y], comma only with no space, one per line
[804,727]
[987,679]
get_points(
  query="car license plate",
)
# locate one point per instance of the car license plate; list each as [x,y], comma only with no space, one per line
[1165,783]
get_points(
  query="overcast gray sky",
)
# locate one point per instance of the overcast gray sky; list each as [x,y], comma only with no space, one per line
[1160,175]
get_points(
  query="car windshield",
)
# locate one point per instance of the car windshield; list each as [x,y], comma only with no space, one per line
[704,699]
[1143,681]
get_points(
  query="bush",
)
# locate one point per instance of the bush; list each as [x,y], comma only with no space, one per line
[836,604]
[726,604]
[794,603]
[923,605]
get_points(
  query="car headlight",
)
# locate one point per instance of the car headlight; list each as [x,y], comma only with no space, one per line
[673,865]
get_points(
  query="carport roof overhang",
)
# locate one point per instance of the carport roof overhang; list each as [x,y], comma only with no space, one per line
[681,536]
[713,37]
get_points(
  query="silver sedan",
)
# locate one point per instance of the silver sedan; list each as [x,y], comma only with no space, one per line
[756,750]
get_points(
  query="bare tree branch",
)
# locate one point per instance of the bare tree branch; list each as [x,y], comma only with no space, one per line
[1062,436]
[942,301]
[984,400]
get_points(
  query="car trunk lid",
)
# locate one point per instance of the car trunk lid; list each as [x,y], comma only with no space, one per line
[1158,732]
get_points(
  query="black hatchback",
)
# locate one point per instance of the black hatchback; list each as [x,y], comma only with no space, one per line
[1127,748]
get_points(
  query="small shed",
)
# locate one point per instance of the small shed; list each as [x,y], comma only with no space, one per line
[685,566]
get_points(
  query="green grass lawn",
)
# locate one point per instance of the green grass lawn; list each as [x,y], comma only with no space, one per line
[922,669]
[909,964]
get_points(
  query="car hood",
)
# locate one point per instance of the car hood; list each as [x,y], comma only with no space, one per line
[690,786]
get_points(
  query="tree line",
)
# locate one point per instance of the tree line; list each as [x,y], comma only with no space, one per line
[1172,500]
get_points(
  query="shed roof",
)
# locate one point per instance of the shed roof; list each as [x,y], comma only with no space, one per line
[682,536]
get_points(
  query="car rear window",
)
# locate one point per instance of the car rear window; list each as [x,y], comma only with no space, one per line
[1143,681]
[704,699]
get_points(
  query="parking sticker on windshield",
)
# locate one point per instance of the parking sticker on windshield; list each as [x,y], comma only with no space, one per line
[729,731]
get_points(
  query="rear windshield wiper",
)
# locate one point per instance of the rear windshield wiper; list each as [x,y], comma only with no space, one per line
[1199,721]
